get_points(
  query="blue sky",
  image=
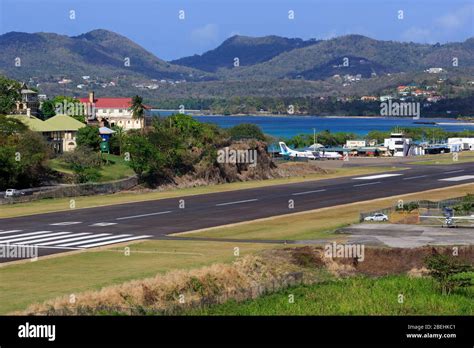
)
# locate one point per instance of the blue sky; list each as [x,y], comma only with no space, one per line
[154,24]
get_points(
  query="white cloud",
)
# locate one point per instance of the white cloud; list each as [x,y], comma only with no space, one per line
[456,19]
[416,34]
[208,34]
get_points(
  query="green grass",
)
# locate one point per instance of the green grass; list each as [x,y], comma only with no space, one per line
[355,296]
[114,169]
[62,204]
[31,282]
[444,159]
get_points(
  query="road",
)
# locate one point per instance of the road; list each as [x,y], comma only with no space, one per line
[78,229]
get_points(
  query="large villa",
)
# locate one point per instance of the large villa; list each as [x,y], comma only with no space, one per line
[111,112]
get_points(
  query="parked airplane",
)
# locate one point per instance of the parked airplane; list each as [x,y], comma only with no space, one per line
[449,218]
[327,154]
[286,151]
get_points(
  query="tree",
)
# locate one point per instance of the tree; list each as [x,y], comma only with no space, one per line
[117,139]
[22,155]
[9,94]
[89,136]
[449,273]
[145,159]
[10,126]
[138,110]
[246,131]
[84,163]
[48,109]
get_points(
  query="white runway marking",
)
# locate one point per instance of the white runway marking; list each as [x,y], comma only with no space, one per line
[143,215]
[114,241]
[379,176]
[66,223]
[15,239]
[66,240]
[458,178]
[369,183]
[454,171]
[11,231]
[46,247]
[415,177]
[49,238]
[306,192]
[103,224]
[96,239]
[26,234]
[237,202]
[73,238]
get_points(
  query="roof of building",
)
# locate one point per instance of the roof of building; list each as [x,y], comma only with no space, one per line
[118,103]
[64,123]
[123,103]
[34,124]
[105,130]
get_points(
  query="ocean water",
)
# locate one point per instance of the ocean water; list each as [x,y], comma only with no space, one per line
[288,126]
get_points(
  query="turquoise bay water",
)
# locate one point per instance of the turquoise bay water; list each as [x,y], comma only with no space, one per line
[288,126]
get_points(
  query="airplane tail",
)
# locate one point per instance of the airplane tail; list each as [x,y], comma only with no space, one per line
[284,149]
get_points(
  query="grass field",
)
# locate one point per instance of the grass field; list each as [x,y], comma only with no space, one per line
[62,204]
[116,168]
[355,296]
[321,223]
[25,283]
[463,157]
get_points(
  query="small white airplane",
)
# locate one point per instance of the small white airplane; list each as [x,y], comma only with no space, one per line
[327,154]
[286,151]
[449,218]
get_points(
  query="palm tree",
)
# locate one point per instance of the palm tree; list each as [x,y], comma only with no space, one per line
[120,134]
[138,110]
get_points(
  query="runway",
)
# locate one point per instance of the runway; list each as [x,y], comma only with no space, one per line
[79,229]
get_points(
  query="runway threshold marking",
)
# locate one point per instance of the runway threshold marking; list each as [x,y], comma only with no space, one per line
[73,238]
[369,183]
[49,238]
[11,231]
[26,234]
[143,215]
[45,247]
[97,239]
[458,178]
[16,239]
[379,176]
[237,202]
[114,241]
[307,192]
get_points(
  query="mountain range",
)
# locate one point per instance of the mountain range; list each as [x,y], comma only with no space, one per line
[103,55]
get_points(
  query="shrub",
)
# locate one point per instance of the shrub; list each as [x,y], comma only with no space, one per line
[449,273]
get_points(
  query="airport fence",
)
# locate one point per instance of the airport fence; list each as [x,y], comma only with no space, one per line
[72,190]
[177,307]
[422,204]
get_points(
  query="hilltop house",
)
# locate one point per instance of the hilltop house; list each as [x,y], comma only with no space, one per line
[59,131]
[109,112]
[29,103]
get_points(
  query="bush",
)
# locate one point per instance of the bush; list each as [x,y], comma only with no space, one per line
[246,131]
[85,164]
[449,273]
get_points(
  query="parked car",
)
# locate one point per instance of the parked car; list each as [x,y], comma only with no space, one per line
[376,217]
[13,193]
